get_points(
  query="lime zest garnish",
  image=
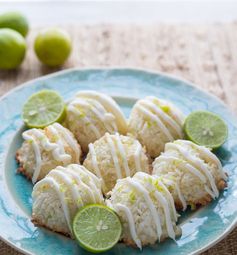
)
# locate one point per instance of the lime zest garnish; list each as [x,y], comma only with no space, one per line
[165,108]
[132,197]
[74,182]
[62,188]
[148,124]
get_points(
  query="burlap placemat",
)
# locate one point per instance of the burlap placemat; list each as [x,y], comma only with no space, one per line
[205,55]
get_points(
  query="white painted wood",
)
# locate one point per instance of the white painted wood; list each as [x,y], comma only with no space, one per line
[68,11]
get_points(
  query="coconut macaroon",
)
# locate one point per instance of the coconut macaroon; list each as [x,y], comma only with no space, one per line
[114,157]
[154,122]
[146,209]
[91,114]
[44,149]
[193,174]
[58,197]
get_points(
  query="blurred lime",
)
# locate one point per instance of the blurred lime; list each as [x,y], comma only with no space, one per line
[15,21]
[53,46]
[12,48]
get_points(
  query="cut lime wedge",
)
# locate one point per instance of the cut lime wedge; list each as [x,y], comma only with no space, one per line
[97,228]
[206,128]
[43,108]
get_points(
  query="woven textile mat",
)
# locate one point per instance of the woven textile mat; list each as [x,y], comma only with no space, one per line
[205,55]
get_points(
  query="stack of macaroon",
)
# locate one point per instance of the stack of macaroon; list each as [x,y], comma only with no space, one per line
[140,167]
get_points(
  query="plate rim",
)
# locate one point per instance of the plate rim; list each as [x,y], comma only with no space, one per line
[131,68]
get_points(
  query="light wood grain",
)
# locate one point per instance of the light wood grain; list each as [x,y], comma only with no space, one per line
[205,55]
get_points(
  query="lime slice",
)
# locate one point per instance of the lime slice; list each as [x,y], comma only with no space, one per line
[43,108]
[97,228]
[206,128]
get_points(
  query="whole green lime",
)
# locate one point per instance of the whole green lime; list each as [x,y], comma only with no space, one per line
[12,48]
[53,46]
[16,21]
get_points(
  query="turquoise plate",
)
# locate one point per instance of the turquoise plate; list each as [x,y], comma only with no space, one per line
[201,229]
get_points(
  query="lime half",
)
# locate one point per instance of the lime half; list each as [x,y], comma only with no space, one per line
[43,108]
[206,128]
[97,228]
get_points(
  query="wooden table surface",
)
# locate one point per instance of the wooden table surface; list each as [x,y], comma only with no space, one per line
[203,54]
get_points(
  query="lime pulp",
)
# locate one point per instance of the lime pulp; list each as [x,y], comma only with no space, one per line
[43,108]
[97,228]
[206,128]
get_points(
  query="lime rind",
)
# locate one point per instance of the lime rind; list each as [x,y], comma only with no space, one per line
[43,108]
[206,128]
[115,236]
[16,21]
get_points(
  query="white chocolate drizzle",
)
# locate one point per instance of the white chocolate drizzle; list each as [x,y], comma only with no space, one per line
[142,175]
[72,108]
[38,138]
[94,160]
[149,203]
[206,153]
[72,178]
[193,164]
[38,160]
[131,223]
[70,140]
[123,154]
[197,163]
[106,118]
[147,199]
[164,116]
[109,105]
[137,157]
[179,193]
[56,187]
[114,156]
[166,203]
[68,182]
[117,148]
[157,120]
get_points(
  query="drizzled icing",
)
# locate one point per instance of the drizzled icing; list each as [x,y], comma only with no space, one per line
[157,120]
[114,155]
[37,153]
[70,140]
[109,105]
[198,164]
[72,177]
[207,154]
[123,154]
[166,203]
[56,187]
[117,148]
[166,118]
[131,223]
[141,176]
[191,163]
[72,108]
[137,156]
[94,160]
[165,121]
[39,138]
[107,119]
[149,202]
[180,195]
